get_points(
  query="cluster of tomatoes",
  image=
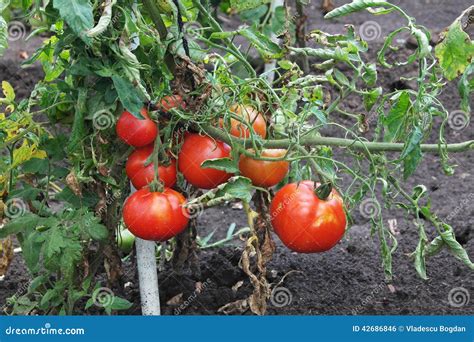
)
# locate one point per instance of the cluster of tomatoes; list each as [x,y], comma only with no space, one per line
[304,222]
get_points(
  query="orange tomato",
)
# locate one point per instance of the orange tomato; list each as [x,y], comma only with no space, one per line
[265,173]
[250,115]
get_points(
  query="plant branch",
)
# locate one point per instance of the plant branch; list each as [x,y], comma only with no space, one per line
[315,140]
[155,16]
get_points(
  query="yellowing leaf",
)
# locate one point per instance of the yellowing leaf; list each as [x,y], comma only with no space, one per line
[8,91]
[455,52]
[40,154]
[25,152]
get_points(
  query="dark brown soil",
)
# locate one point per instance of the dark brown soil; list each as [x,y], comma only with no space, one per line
[348,279]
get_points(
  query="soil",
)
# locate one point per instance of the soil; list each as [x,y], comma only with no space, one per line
[349,279]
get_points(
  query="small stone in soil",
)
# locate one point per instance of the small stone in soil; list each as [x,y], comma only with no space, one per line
[237,206]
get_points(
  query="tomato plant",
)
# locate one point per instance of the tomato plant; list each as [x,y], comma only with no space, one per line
[125,73]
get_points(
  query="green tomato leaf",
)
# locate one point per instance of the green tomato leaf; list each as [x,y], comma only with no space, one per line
[327,165]
[455,52]
[223,164]
[128,95]
[31,250]
[411,155]
[18,225]
[420,263]
[120,304]
[254,15]
[355,6]
[36,166]
[236,188]
[370,98]
[370,74]
[88,199]
[3,5]
[77,14]
[395,121]
[434,247]
[319,115]
[3,35]
[27,193]
[54,242]
[78,127]
[262,43]
[466,87]
[341,78]
[97,231]
[240,5]
[455,247]
[285,64]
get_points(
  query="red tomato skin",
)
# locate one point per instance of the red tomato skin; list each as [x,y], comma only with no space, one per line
[155,216]
[194,151]
[264,173]
[141,175]
[136,132]
[251,115]
[303,222]
[172,101]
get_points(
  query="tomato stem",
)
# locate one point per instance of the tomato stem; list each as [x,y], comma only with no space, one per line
[323,191]
[156,185]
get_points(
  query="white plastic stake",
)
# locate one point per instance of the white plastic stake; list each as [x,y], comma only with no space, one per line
[147,276]
[269,70]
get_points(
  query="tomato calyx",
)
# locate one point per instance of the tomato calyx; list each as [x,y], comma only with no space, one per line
[323,191]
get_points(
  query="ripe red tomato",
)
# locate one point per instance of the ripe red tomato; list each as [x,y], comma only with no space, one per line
[264,173]
[250,115]
[142,175]
[136,132]
[156,216]
[305,223]
[172,101]
[194,151]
